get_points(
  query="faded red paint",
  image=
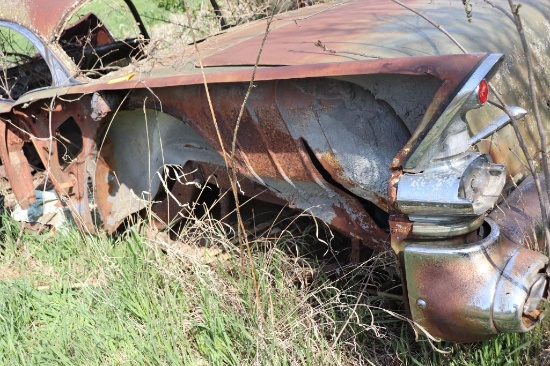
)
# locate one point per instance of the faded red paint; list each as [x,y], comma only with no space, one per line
[42,17]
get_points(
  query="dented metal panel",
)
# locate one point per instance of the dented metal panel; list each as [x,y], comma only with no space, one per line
[362,114]
[267,153]
[157,140]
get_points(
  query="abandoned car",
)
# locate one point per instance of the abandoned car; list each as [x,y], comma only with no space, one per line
[365,114]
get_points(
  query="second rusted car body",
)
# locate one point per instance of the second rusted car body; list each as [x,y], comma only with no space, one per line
[362,113]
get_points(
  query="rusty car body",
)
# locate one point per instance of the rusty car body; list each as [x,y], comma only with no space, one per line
[362,113]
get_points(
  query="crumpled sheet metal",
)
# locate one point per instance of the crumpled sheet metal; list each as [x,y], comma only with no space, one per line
[451,70]
[16,165]
[383,31]
[388,30]
[267,153]
[278,147]
[276,137]
[128,175]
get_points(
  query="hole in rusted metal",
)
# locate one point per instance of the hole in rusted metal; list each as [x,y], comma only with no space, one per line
[69,142]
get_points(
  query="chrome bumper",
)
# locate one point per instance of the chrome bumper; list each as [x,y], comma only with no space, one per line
[471,291]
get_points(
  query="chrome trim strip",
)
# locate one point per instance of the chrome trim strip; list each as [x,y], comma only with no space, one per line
[446,230]
[497,124]
[418,159]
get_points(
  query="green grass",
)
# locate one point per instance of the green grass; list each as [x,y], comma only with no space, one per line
[505,349]
[164,27]
[68,299]
[118,19]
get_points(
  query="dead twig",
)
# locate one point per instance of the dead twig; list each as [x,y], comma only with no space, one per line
[334,52]
[73,286]
[295,20]
[530,161]
[502,10]
[229,162]
[441,29]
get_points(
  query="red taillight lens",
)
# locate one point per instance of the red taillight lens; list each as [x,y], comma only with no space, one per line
[483,92]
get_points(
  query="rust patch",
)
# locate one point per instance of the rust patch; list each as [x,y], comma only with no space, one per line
[105,185]
[16,166]
[70,180]
[400,230]
[358,224]
[519,218]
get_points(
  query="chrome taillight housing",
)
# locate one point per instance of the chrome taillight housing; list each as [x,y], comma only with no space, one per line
[445,179]
[464,280]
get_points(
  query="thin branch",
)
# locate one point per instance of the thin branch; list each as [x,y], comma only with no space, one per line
[540,126]
[530,161]
[229,162]
[321,45]
[502,10]
[441,29]
[295,20]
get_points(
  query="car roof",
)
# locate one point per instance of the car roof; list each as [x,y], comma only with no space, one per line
[43,17]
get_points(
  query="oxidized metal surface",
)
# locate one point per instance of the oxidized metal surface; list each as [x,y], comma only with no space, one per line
[520,291]
[446,187]
[443,136]
[450,68]
[458,187]
[16,164]
[46,18]
[124,187]
[42,17]
[367,112]
[266,153]
[69,174]
[468,292]
[185,189]
[386,31]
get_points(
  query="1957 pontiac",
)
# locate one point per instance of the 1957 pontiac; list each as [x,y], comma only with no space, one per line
[364,113]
